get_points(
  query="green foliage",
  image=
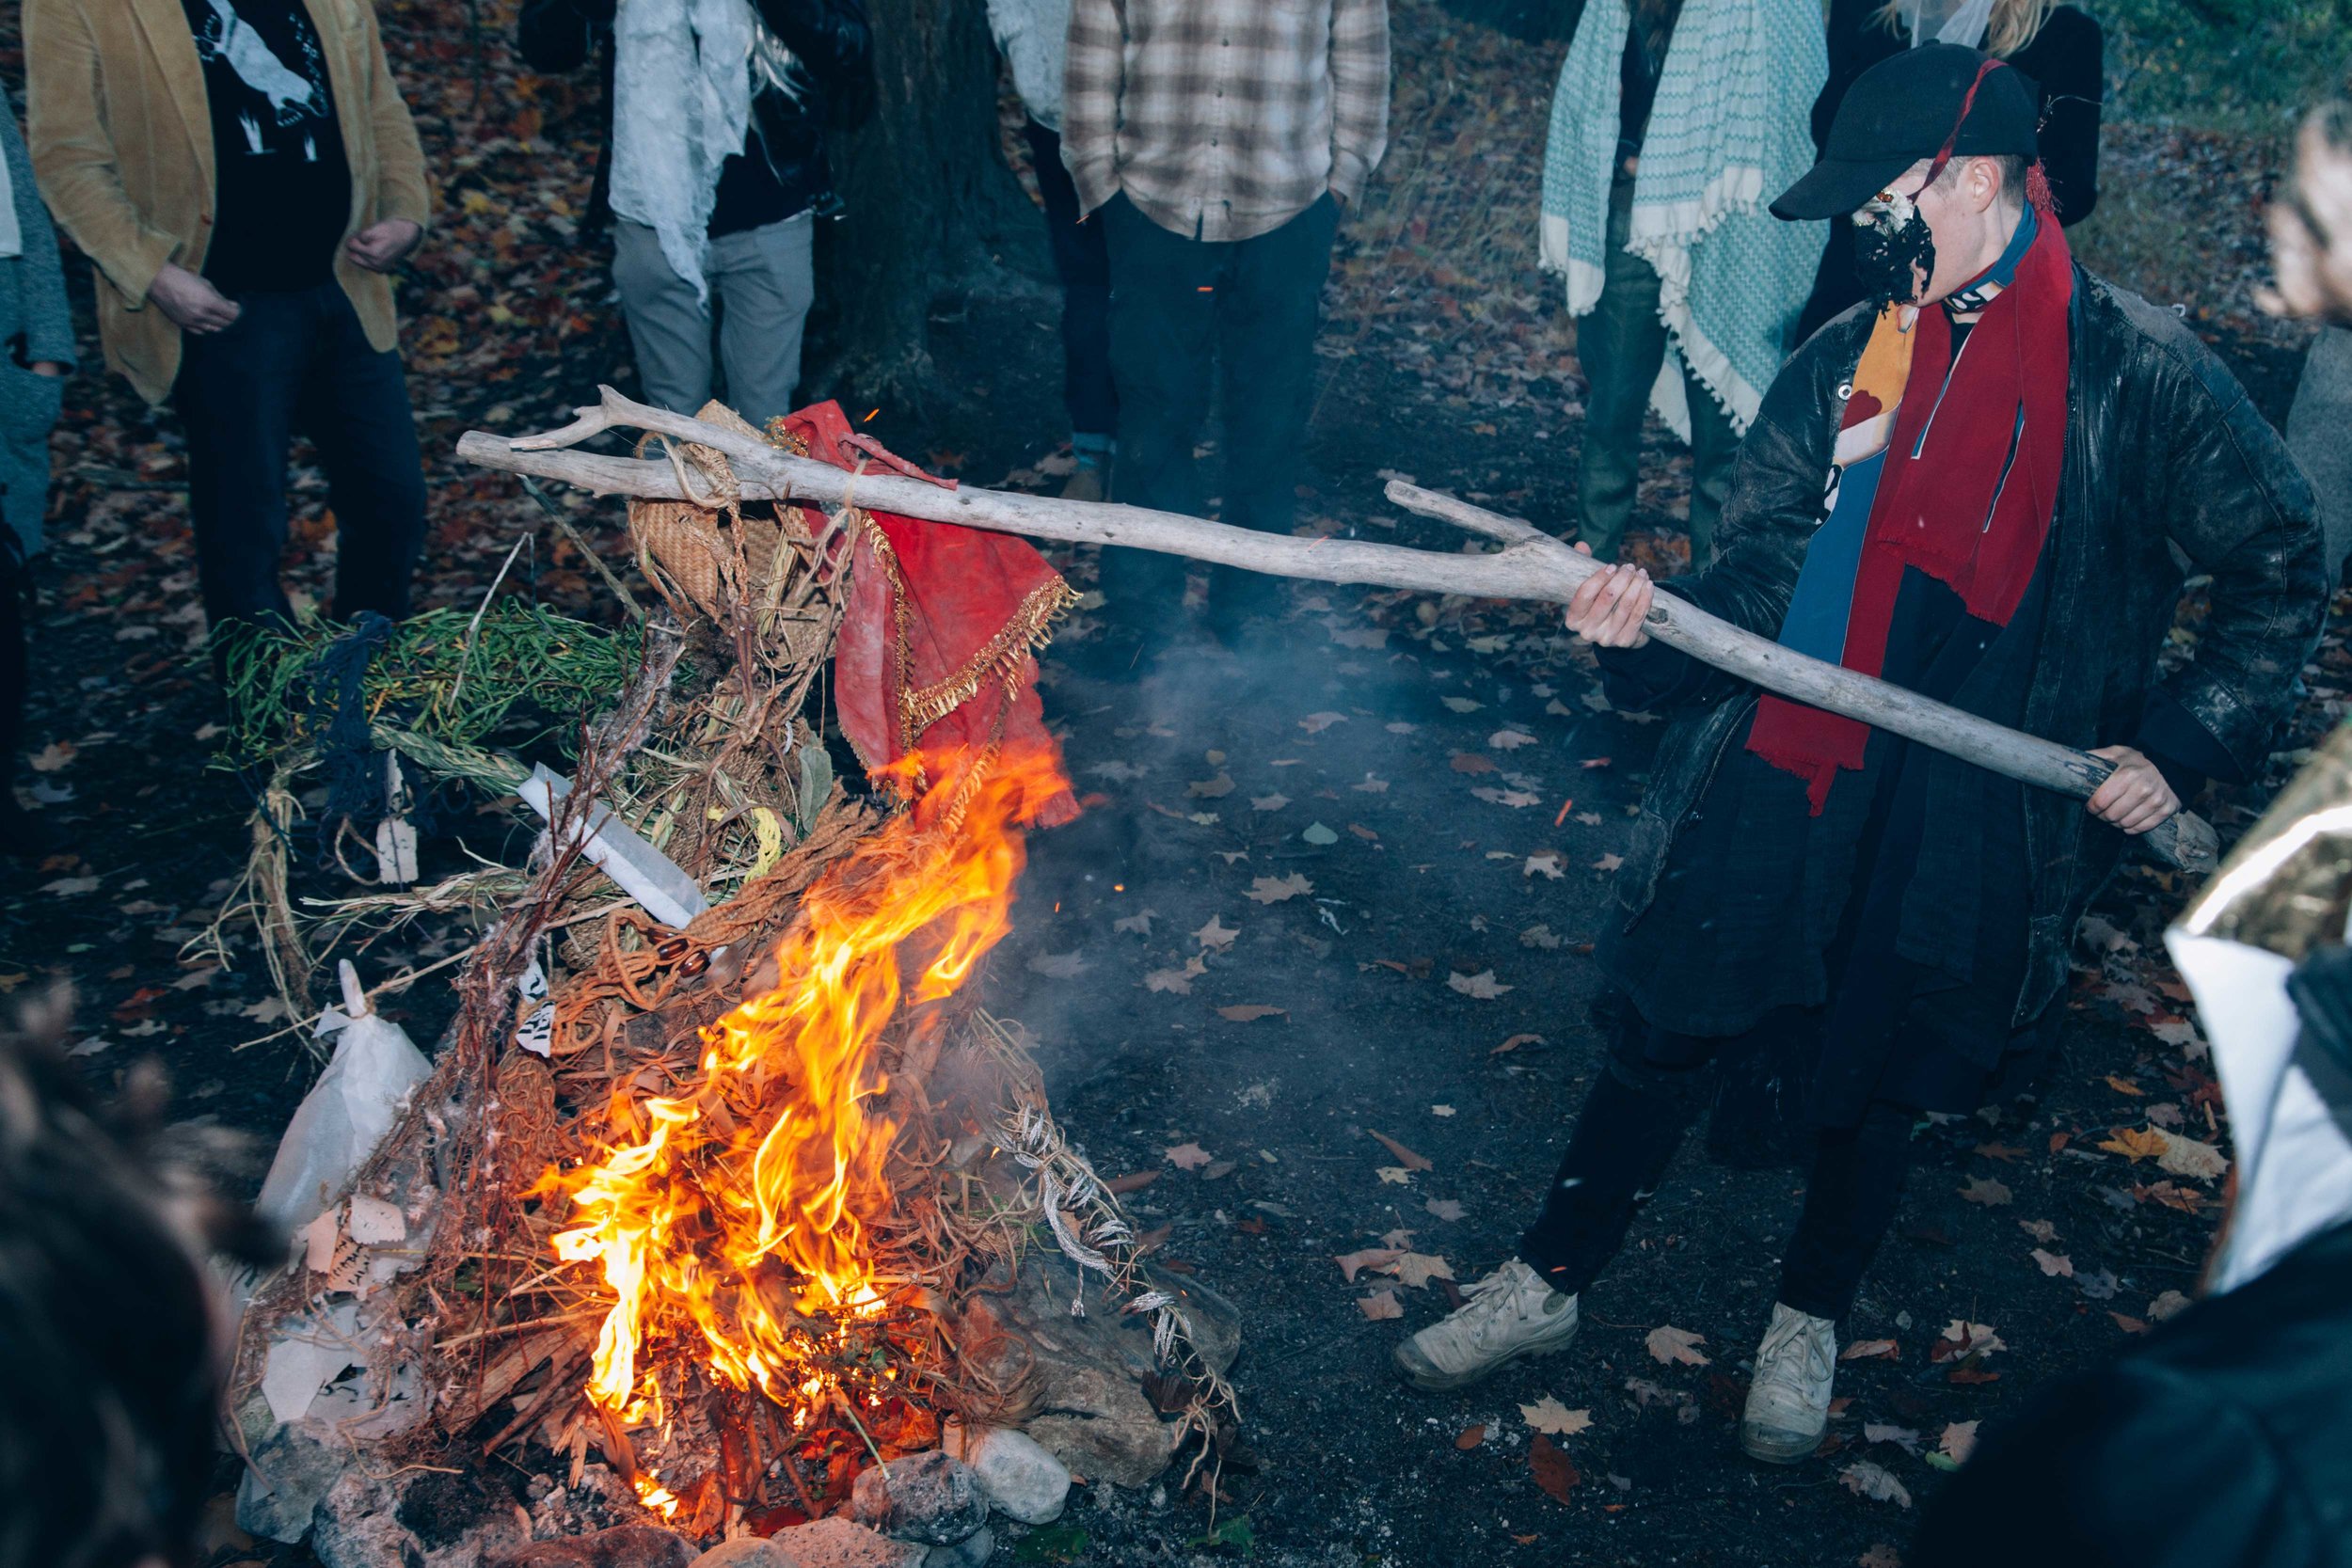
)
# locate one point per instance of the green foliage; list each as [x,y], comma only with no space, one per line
[523,675]
[1052,1543]
[1234,1532]
[2248,66]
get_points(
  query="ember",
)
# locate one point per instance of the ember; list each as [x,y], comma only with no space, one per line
[733,1222]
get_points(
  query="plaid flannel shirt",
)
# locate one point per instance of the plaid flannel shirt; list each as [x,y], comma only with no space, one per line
[1223,120]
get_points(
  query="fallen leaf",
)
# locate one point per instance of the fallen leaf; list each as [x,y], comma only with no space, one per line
[1268,802]
[71,887]
[1671,1345]
[1360,636]
[1187,1156]
[1250,1012]
[1059,966]
[1551,1468]
[1471,1437]
[1608,862]
[2054,1265]
[2041,1230]
[1315,724]
[1378,1260]
[50,758]
[1139,924]
[2123,1085]
[2190,1157]
[1958,1442]
[269,1009]
[1444,1208]
[1134,1181]
[2127,1324]
[1117,771]
[1394,1174]
[1317,833]
[1984,1190]
[1866,1480]
[1906,1438]
[2170,1305]
[1510,741]
[1472,762]
[1380,1306]
[1547,1415]
[1417,1269]
[1275,890]
[1211,789]
[2002,1152]
[1177,980]
[1539,935]
[1962,1338]
[1544,863]
[2098,1287]
[1870,1350]
[1515,1042]
[1404,1157]
[1482,985]
[1462,704]
[1216,934]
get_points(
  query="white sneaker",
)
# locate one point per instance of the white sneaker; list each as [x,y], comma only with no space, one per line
[1788,1401]
[1510,1313]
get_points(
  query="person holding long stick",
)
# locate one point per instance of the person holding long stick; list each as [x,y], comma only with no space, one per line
[1971,485]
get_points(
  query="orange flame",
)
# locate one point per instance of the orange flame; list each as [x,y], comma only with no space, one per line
[746,1204]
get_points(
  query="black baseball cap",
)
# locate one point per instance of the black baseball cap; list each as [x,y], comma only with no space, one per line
[1903,109]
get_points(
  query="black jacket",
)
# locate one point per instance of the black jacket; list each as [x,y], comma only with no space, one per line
[2223,1441]
[832,46]
[2163,449]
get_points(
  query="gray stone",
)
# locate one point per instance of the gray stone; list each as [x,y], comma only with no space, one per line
[419,1519]
[970,1552]
[1019,1477]
[2317,422]
[745,1551]
[835,1542]
[623,1547]
[925,1497]
[1076,1383]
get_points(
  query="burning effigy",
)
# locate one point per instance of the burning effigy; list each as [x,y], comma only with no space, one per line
[721,1208]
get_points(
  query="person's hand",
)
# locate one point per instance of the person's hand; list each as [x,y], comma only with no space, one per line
[1609,607]
[2134,796]
[193,304]
[381,247]
[46,366]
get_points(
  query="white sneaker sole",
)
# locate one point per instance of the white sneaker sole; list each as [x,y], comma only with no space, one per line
[1776,1445]
[1424,1374]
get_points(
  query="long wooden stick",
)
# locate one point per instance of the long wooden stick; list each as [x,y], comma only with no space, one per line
[1531,564]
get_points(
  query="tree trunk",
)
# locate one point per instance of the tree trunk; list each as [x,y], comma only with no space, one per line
[930,202]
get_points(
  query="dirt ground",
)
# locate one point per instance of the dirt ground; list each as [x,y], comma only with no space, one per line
[1330,899]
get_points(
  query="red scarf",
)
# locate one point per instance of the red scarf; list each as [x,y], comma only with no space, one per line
[1963,511]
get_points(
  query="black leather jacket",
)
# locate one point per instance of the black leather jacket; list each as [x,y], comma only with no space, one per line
[2163,450]
[832,80]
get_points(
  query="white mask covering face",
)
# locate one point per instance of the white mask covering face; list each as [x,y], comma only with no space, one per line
[1960,21]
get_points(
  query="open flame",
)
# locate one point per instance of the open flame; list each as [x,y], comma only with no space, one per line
[729,1216]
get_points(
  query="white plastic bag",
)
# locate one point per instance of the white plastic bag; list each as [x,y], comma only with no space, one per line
[346,1112]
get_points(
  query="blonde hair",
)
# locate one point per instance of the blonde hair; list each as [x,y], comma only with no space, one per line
[2016,23]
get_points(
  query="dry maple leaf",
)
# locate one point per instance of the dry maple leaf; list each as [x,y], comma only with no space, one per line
[1417,1269]
[1471,1437]
[1315,724]
[1958,1442]
[1462,704]
[1396,1174]
[1380,1306]
[1870,1350]
[1216,934]
[2041,1230]
[1275,890]
[1187,1156]
[1482,985]
[1547,1415]
[1059,966]
[1552,1469]
[1139,924]
[2055,1265]
[1404,1157]
[1608,862]
[1866,1480]
[1544,863]
[1250,1012]
[1211,789]
[1444,1208]
[1671,1345]
[1378,1260]
[1177,980]
[1268,802]
[1510,741]
[2190,1157]
[1984,1190]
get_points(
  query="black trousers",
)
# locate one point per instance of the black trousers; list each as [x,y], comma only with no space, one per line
[298,360]
[1082,260]
[1634,1120]
[1180,309]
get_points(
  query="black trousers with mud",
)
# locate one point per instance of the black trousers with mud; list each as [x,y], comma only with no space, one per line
[1634,1120]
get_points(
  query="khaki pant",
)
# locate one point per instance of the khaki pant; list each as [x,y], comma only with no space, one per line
[762,282]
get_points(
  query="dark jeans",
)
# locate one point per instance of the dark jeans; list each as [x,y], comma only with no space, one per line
[301,360]
[1621,345]
[1083,263]
[1634,1120]
[1179,307]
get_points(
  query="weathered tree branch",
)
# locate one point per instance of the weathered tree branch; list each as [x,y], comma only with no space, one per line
[1531,564]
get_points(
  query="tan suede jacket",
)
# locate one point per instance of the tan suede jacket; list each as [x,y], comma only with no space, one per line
[123,146]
